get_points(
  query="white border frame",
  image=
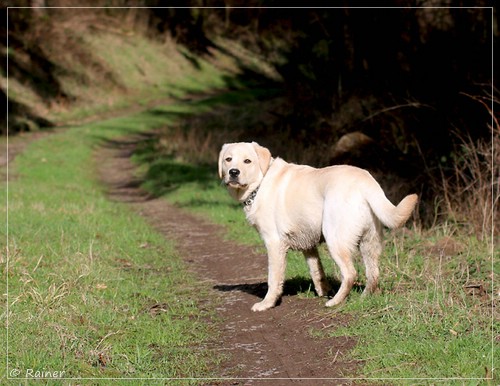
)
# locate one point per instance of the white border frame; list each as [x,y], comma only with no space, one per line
[10,372]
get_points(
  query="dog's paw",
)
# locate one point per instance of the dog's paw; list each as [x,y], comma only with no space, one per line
[262,306]
[334,302]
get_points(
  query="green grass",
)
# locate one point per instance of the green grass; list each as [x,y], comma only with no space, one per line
[92,290]
[433,316]
[425,323]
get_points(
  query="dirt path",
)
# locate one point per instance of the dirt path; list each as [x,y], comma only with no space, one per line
[16,145]
[272,345]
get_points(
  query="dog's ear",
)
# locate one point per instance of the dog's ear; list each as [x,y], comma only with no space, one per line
[264,157]
[221,154]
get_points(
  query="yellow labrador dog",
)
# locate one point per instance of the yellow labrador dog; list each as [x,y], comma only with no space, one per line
[293,206]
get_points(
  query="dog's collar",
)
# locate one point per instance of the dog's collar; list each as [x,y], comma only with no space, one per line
[251,198]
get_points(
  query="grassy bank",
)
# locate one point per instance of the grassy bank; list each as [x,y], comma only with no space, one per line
[433,318]
[89,63]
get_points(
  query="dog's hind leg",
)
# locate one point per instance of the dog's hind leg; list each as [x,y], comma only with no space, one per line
[321,285]
[343,259]
[276,255]
[371,247]
[341,243]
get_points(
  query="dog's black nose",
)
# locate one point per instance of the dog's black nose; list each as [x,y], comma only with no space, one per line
[234,173]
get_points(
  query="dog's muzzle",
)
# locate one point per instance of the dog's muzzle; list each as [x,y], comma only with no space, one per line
[234,180]
[234,173]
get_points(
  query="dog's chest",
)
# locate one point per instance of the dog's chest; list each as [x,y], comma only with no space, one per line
[302,239]
[250,215]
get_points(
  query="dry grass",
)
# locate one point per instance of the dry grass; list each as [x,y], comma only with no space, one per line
[471,194]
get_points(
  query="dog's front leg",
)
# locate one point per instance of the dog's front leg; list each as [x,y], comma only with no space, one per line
[276,255]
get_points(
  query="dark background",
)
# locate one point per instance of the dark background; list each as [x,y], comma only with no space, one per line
[413,81]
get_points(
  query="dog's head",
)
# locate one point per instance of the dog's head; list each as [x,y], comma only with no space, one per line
[242,167]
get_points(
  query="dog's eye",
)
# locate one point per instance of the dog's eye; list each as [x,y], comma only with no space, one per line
[229,159]
[247,161]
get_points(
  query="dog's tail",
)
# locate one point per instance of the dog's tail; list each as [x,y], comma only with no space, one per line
[392,216]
